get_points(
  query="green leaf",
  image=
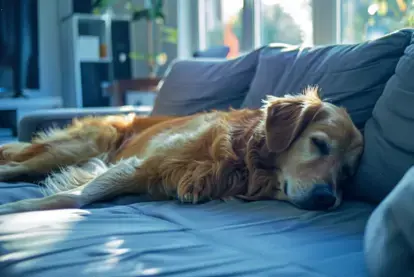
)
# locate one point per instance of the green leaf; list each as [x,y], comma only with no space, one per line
[140,14]
[170,40]
[171,35]
[136,56]
[97,3]
[154,13]
[96,11]
[160,16]
[101,4]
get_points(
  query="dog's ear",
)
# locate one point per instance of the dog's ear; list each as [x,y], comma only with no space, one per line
[288,117]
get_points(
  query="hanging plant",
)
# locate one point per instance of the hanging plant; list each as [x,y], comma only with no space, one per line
[154,12]
[98,6]
[154,16]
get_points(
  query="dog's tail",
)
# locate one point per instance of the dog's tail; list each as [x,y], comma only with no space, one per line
[73,176]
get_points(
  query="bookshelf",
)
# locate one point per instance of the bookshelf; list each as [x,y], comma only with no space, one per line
[88,57]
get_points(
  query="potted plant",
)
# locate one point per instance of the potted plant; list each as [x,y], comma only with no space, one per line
[157,31]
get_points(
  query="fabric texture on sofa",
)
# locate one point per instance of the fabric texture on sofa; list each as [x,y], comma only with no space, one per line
[389,240]
[352,76]
[131,237]
[198,85]
[389,135]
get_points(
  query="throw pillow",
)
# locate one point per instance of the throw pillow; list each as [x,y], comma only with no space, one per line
[389,241]
[198,85]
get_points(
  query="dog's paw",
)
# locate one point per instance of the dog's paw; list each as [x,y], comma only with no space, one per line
[193,198]
[9,151]
[186,198]
[134,162]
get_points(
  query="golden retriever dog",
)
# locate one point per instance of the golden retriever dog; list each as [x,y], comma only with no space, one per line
[296,148]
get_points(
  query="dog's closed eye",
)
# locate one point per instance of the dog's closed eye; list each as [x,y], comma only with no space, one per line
[321,145]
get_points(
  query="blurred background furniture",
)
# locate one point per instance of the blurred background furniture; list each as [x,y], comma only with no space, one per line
[19,65]
[212,52]
[18,47]
[142,91]
[97,53]
[120,89]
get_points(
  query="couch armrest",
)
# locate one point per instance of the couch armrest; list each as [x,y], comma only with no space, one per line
[44,119]
[389,240]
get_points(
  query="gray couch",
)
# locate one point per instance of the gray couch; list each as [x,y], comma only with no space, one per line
[369,235]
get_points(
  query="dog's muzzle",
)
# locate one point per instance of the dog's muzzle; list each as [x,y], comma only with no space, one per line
[321,197]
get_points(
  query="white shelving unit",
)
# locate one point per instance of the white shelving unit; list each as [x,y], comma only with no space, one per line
[72,28]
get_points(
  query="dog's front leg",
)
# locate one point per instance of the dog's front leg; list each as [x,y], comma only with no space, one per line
[117,180]
[264,181]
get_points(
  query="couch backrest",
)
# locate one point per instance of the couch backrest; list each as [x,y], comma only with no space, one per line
[373,80]
[353,76]
[389,134]
[196,85]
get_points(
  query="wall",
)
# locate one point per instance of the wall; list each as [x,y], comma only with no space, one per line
[171,21]
[184,17]
[49,50]
[188,26]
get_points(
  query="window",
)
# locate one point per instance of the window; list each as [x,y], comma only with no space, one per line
[223,24]
[286,21]
[369,19]
[247,24]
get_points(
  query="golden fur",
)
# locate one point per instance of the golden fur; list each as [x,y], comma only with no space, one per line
[267,153]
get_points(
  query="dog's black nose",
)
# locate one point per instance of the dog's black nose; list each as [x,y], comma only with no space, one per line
[322,197]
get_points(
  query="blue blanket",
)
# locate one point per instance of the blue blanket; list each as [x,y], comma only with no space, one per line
[134,237]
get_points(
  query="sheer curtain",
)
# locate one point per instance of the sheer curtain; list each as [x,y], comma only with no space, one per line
[16,40]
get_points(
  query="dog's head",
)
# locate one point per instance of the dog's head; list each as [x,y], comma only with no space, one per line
[317,146]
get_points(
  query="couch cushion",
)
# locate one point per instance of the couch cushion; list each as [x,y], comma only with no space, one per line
[198,85]
[11,192]
[352,76]
[43,120]
[389,240]
[389,135]
[266,238]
